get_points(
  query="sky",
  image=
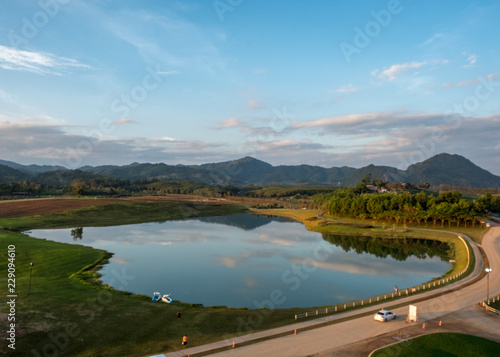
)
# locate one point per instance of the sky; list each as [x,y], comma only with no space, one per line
[289,82]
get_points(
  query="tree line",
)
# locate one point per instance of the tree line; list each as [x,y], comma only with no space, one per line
[447,207]
[104,186]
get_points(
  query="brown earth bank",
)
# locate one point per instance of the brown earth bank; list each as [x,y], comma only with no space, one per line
[36,206]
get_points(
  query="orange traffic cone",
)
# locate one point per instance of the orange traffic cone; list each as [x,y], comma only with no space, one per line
[233,345]
[295,332]
[440,323]
[423,326]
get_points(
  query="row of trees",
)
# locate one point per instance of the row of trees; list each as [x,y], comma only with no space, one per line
[410,208]
[284,191]
[115,187]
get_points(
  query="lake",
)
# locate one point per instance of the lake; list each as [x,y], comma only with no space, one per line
[245,260]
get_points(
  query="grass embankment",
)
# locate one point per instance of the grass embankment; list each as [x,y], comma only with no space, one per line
[368,228]
[63,315]
[442,344]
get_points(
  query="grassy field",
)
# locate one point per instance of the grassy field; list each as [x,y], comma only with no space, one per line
[443,344]
[69,313]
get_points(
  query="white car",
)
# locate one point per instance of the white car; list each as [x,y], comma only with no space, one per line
[384,315]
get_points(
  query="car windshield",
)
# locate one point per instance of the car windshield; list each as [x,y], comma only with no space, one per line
[380,313]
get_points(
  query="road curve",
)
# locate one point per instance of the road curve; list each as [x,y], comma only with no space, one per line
[341,334]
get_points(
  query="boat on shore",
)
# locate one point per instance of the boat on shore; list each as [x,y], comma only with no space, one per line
[156,296]
[167,298]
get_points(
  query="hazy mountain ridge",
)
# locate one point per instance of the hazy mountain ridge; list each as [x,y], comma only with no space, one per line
[448,169]
[32,168]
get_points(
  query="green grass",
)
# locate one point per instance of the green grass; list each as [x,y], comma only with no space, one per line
[69,313]
[443,344]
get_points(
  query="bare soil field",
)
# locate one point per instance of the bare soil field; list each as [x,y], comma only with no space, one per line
[36,206]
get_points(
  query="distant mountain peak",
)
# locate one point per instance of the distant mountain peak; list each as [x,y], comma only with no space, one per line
[444,168]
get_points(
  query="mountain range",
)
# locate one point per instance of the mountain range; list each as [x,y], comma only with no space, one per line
[443,168]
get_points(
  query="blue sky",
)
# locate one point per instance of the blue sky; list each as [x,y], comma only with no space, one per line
[327,83]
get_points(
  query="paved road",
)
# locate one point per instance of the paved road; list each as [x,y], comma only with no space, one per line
[336,336]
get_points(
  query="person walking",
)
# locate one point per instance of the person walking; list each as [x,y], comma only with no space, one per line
[396,289]
[178,315]
[184,340]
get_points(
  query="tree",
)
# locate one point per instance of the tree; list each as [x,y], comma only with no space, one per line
[444,210]
[463,211]
[450,197]
[421,199]
[433,214]
[77,190]
[77,233]
[495,204]
[375,206]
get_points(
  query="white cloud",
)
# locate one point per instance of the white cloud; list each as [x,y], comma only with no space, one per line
[471,59]
[471,82]
[36,62]
[168,73]
[123,121]
[286,147]
[396,70]
[253,104]
[350,88]
[231,123]
[54,144]
[7,97]
[168,138]
[433,38]
[353,123]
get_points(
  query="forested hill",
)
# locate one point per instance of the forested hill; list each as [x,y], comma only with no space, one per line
[454,170]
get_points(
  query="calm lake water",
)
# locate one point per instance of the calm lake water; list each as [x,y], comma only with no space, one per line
[245,260]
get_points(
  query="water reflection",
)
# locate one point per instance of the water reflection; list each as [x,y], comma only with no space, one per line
[241,260]
[397,248]
[77,233]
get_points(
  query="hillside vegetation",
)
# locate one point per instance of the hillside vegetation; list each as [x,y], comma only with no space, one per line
[441,169]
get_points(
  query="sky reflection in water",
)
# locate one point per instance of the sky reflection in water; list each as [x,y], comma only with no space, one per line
[240,260]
